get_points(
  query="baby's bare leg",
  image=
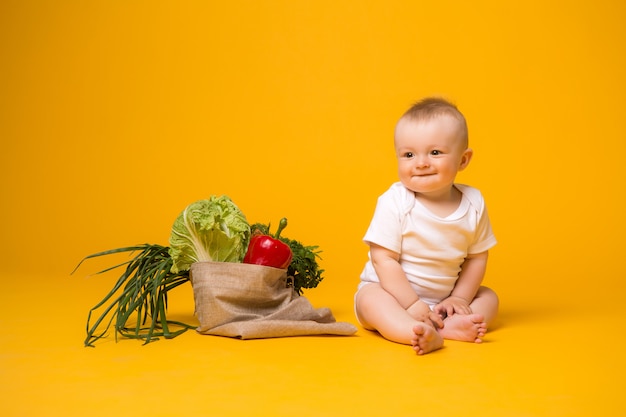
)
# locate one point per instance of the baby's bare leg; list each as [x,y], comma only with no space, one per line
[378,310]
[472,327]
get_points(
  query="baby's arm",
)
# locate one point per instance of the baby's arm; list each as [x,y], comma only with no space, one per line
[392,277]
[393,280]
[466,287]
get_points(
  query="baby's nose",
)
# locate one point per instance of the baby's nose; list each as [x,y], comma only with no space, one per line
[421,162]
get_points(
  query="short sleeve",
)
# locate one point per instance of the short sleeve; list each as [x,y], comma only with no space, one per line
[484,238]
[385,228]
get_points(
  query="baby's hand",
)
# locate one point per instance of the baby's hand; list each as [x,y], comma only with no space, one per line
[452,305]
[420,311]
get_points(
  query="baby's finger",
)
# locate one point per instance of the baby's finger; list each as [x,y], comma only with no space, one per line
[436,319]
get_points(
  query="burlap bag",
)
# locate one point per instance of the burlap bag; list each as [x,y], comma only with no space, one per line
[253,301]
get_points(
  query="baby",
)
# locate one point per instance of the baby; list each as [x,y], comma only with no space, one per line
[428,239]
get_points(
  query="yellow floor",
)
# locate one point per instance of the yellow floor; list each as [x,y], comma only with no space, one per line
[115,115]
[537,361]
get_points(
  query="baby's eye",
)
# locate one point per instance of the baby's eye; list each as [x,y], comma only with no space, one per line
[409,155]
[435,152]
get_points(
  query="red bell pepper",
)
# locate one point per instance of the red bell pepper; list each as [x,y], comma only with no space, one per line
[268,250]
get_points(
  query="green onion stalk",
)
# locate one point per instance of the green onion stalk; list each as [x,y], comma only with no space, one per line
[137,303]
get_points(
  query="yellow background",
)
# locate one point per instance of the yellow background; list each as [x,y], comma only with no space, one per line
[115,115]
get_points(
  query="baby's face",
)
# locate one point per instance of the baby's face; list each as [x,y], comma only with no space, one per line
[430,153]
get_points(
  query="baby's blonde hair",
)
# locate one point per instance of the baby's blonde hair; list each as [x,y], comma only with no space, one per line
[431,107]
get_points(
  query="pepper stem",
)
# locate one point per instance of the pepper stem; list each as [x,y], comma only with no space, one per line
[281,226]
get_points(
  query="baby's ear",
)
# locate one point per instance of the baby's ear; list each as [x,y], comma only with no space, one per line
[466,158]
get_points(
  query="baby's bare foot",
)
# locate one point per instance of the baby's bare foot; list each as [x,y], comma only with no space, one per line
[464,327]
[425,339]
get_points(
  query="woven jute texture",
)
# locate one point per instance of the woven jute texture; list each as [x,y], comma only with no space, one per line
[253,301]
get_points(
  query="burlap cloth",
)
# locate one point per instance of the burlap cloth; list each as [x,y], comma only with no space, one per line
[253,301]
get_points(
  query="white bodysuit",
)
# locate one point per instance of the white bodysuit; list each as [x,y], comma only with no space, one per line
[432,249]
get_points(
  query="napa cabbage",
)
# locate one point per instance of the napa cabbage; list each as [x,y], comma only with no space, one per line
[214,229]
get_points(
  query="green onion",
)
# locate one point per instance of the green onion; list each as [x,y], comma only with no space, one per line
[137,303]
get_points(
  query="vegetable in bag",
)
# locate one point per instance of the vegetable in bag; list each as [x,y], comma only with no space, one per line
[214,229]
[269,250]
